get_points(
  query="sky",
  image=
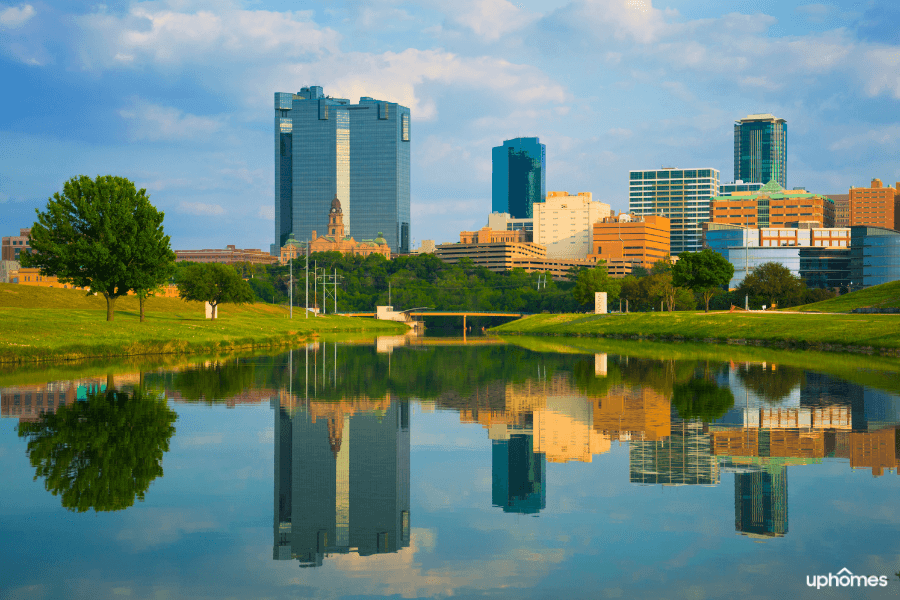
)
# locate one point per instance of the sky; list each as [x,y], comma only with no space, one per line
[177,95]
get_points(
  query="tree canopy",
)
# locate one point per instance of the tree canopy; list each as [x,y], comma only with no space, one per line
[102,234]
[704,272]
[591,281]
[701,399]
[773,282]
[214,283]
[102,453]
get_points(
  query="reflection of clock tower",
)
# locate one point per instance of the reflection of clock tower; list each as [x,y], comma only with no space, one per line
[336,220]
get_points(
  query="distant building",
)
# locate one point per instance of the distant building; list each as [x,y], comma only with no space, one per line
[681,195]
[874,256]
[504,256]
[563,222]
[8,270]
[486,235]
[760,149]
[427,247]
[773,206]
[519,176]
[501,221]
[639,240]
[336,240]
[633,413]
[728,189]
[875,206]
[841,209]
[228,255]
[819,256]
[33,277]
[12,246]
[327,146]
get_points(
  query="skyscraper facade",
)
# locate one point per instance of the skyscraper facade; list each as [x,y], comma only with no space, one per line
[760,149]
[681,195]
[327,147]
[519,176]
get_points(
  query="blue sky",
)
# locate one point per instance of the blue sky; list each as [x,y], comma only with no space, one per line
[177,95]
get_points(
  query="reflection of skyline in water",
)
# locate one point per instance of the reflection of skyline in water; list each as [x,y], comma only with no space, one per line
[333,450]
[342,478]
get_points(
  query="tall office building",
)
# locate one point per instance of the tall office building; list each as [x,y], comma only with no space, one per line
[684,459]
[341,484]
[681,195]
[760,149]
[327,147]
[519,176]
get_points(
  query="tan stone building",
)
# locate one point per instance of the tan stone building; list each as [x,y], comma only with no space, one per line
[335,240]
[875,206]
[486,235]
[562,223]
[503,256]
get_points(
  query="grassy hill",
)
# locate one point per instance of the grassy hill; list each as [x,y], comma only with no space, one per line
[886,295]
[38,324]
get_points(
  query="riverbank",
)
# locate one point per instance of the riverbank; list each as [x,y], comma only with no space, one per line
[871,334]
[59,334]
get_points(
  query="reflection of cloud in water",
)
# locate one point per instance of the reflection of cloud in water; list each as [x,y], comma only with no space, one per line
[159,527]
[401,573]
[208,439]
[266,436]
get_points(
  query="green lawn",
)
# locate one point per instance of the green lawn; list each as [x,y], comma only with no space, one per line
[878,332]
[39,324]
[886,295]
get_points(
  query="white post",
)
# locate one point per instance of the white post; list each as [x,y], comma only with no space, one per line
[291,263]
[599,303]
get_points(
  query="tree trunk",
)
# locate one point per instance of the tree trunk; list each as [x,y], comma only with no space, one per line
[110,382]
[110,303]
[141,300]
[214,310]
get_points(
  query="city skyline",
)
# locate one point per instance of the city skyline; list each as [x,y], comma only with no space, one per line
[186,116]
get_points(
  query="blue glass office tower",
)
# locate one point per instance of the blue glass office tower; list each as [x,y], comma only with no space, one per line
[519,474]
[760,149]
[360,152]
[519,176]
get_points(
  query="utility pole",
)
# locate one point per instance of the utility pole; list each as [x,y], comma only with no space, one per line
[316,282]
[291,263]
[335,312]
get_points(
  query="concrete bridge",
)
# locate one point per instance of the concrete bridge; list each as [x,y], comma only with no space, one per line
[413,316]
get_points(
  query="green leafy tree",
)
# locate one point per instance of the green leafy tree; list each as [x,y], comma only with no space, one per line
[703,272]
[595,280]
[773,384]
[102,234]
[773,282]
[218,382]
[214,283]
[701,399]
[102,453]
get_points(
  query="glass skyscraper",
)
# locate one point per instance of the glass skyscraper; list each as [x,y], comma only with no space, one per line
[760,149]
[360,152]
[519,176]
[681,195]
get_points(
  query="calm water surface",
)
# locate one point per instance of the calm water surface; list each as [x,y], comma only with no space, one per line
[425,468]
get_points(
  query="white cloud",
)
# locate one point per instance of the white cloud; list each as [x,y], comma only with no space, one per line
[155,122]
[200,209]
[266,212]
[149,34]
[489,19]
[12,17]
[887,135]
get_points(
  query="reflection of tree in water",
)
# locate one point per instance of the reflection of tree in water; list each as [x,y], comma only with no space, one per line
[774,384]
[589,383]
[701,398]
[101,453]
[219,381]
